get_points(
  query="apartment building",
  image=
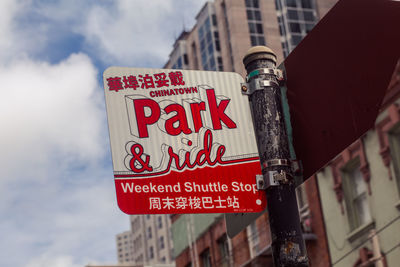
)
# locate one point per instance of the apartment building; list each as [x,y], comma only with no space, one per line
[125,247]
[148,242]
[360,192]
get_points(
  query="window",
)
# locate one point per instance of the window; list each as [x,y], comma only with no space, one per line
[139,259]
[394,140]
[293,15]
[291,3]
[194,53]
[296,19]
[302,201]
[355,190]
[254,239]
[149,233]
[162,245]
[160,222]
[151,252]
[223,247]
[209,43]
[306,4]
[214,20]
[255,22]
[206,258]
[296,39]
[308,15]
[294,27]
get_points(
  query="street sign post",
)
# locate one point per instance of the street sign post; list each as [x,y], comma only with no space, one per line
[182,142]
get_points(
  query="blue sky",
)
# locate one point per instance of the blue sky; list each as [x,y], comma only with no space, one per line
[57,198]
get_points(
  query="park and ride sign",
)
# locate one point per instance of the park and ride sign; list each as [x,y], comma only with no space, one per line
[182,142]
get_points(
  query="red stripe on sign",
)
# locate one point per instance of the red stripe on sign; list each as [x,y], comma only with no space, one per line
[220,189]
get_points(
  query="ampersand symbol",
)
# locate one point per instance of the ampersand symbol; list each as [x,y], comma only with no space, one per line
[137,152]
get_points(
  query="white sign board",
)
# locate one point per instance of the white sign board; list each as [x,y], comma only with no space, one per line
[181,141]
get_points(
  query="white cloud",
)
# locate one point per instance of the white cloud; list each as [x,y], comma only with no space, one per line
[51,113]
[138,33]
[56,195]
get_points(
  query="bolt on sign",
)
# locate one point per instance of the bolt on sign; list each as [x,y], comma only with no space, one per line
[181,141]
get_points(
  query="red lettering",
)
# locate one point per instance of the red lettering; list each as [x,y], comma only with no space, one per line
[142,119]
[203,156]
[218,111]
[179,117]
[114,84]
[197,121]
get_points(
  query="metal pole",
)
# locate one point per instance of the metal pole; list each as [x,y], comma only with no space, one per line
[288,247]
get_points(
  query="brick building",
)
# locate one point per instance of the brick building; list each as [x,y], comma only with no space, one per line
[360,192]
[224,31]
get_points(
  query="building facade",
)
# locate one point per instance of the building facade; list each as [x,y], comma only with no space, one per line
[223,33]
[150,241]
[360,193]
[125,247]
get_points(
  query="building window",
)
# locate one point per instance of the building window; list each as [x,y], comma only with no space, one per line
[149,233]
[224,250]
[162,245]
[254,238]
[194,53]
[228,35]
[206,258]
[151,252]
[295,19]
[209,43]
[139,259]
[302,203]
[394,141]
[160,224]
[255,22]
[356,195]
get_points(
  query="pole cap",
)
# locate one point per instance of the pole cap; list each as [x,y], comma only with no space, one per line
[259,52]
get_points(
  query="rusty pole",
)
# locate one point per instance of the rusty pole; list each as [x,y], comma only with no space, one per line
[288,247]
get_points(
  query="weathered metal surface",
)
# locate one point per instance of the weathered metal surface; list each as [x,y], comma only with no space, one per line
[288,248]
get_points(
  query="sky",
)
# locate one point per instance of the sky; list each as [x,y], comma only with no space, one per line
[57,197]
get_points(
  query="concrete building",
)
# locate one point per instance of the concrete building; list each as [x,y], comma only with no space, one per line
[152,241]
[125,247]
[148,242]
[224,31]
[360,193]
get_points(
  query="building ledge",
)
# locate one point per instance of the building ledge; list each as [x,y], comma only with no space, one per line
[360,231]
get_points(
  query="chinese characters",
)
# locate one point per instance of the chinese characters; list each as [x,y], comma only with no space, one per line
[157,80]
